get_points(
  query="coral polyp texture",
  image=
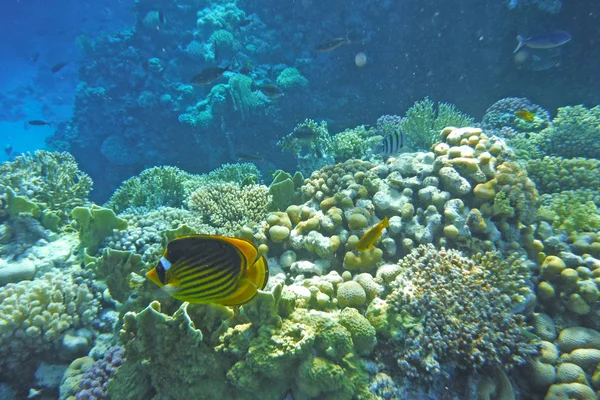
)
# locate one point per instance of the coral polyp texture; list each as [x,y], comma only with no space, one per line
[454,312]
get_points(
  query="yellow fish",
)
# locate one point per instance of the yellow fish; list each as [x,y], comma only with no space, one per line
[525,115]
[204,269]
[370,237]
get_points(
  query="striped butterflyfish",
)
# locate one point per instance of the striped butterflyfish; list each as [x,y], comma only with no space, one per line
[213,269]
[392,143]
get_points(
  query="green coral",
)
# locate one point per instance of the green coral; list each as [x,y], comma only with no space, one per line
[51,180]
[575,132]
[295,142]
[555,174]
[209,354]
[423,122]
[120,269]
[244,100]
[284,189]
[94,225]
[154,187]
[571,211]
[291,78]
[354,143]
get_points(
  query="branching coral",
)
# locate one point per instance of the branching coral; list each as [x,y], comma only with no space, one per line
[453,311]
[571,211]
[354,143]
[50,179]
[153,188]
[228,206]
[424,122]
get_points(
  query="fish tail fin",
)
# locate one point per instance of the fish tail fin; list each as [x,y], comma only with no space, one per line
[521,40]
[385,222]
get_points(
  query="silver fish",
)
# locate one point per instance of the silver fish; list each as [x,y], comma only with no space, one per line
[546,40]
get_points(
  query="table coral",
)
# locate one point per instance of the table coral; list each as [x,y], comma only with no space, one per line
[457,312]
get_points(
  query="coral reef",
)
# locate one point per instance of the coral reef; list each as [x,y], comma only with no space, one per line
[454,312]
[36,318]
[94,381]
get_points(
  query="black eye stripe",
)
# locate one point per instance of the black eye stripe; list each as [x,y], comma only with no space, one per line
[161,273]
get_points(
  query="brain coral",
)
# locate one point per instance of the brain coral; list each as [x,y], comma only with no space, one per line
[457,312]
[35,315]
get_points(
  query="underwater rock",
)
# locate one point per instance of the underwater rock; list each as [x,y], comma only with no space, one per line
[16,271]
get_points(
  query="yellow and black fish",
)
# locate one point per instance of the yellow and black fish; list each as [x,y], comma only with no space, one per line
[370,237]
[204,269]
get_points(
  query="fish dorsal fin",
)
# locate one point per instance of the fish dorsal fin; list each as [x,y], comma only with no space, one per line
[385,222]
[246,247]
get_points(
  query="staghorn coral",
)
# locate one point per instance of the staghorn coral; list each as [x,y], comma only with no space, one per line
[228,206]
[36,315]
[51,180]
[456,312]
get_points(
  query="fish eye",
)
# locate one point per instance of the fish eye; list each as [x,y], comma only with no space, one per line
[161,273]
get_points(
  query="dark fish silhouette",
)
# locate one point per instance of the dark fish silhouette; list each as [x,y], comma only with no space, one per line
[161,17]
[304,133]
[34,57]
[208,75]
[8,149]
[331,44]
[271,90]
[246,22]
[37,122]
[248,157]
[58,66]
[546,40]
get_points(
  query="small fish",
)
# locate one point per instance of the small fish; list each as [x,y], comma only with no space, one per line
[34,393]
[8,149]
[161,17]
[214,269]
[271,90]
[248,157]
[58,66]
[34,57]
[304,133]
[37,122]
[246,22]
[331,44]
[208,75]
[393,143]
[370,237]
[525,115]
[547,40]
